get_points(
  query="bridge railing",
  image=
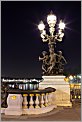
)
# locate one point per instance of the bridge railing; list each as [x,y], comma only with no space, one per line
[34,101]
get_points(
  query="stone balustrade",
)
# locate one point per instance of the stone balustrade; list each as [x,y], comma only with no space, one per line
[34,101]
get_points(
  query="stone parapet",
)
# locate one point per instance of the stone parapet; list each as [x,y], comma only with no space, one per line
[62,95]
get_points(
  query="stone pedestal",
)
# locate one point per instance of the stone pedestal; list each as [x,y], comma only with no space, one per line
[14,102]
[61,97]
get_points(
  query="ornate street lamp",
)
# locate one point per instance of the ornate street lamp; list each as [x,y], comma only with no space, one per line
[50,61]
[51,20]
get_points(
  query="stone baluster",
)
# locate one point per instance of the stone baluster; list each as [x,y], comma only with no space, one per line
[49,98]
[37,101]
[31,101]
[42,101]
[46,99]
[25,102]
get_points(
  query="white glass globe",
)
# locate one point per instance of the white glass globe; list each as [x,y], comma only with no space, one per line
[61,25]
[41,26]
[51,19]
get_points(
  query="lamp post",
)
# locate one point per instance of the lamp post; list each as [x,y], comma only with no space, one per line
[51,20]
[51,39]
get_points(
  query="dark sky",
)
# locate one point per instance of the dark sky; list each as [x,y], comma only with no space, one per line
[21,44]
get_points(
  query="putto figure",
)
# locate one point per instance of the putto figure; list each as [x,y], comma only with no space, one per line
[60,62]
[53,64]
[45,60]
[52,61]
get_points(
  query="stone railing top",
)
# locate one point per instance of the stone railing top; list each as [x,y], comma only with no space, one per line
[20,82]
[40,91]
[53,77]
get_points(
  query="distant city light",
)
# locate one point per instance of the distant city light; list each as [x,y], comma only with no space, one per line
[71,77]
[66,79]
[79,97]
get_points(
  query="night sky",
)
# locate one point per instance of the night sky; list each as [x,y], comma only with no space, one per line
[21,44]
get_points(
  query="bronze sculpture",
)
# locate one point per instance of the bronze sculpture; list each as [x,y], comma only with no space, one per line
[45,59]
[52,62]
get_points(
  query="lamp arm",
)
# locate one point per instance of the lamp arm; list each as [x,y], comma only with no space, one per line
[59,39]
[64,59]
[45,40]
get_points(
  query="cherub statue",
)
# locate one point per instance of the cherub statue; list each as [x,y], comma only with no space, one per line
[52,61]
[60,59]
[45,60]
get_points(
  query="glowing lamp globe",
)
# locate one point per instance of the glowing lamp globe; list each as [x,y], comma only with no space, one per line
[61,25]
[51,19]
[41,26]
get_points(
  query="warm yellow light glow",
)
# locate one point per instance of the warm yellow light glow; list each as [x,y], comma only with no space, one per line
[75,96]
[66,79]
[72,85]
[25,95]
[51,19]
[41,26]
[79,97]
[61,25]
[13,97]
